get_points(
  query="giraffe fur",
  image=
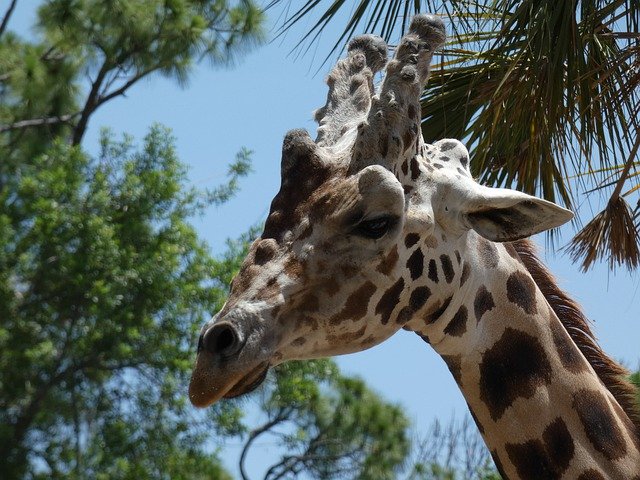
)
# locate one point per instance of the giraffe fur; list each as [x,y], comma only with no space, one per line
[373,231]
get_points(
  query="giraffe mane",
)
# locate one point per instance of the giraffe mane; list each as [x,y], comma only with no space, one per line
[613,375]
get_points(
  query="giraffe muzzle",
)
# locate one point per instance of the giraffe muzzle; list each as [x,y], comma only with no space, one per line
[222,340]
[233,358]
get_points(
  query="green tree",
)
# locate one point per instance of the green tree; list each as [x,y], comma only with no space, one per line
[544,92]
[89,52]
[102,280]
[102,285]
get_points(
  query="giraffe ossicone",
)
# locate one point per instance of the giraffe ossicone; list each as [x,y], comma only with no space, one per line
[373,231]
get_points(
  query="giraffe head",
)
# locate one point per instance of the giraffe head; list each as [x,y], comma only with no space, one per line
[361,212]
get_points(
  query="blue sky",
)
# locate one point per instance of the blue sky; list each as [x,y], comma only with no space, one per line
[253,105]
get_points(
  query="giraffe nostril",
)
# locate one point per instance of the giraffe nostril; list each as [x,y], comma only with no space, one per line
[221,339]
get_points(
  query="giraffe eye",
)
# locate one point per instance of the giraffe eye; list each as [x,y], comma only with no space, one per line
[376,227]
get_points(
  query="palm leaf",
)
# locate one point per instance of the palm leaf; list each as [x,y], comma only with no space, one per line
[545,93]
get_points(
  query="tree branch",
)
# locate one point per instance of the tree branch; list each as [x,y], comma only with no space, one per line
[7,16]
[90,105]
[95,99]
[282,416]
[38,122]
[126,86]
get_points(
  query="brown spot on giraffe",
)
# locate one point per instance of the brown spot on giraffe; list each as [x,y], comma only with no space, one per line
[437,313]
[293,267]
[356,305]
[546,458]
[349,271]
[309,303]
[265,251]
[514,367]
[415,264]
[446,146]
[418,298]
[466,271]
[433,271]
[483,302]
[330,286]
[415,168]
[383,144]
[591,474]
[411,239]
[407,139]
[458,325]
[347,336]
[599,424]
[522,291]
[559,444]
[298,342]
[447,268]
[389,300]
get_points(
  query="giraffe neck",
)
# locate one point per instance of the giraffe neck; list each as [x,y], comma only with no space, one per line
[541,408]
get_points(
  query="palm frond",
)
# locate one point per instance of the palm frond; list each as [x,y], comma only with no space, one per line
[612,234]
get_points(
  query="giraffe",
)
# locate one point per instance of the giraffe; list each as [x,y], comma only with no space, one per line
[373,231]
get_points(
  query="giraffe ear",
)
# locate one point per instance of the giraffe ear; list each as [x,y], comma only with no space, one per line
[503,215]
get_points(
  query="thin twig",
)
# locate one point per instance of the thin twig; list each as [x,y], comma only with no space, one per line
[282,416]
[7,16]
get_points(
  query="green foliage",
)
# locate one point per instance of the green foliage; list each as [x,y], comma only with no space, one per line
[240,168]
[112,44]
[102,287]
[103,283]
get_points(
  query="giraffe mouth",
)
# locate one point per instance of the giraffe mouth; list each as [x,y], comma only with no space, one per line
[249,382]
